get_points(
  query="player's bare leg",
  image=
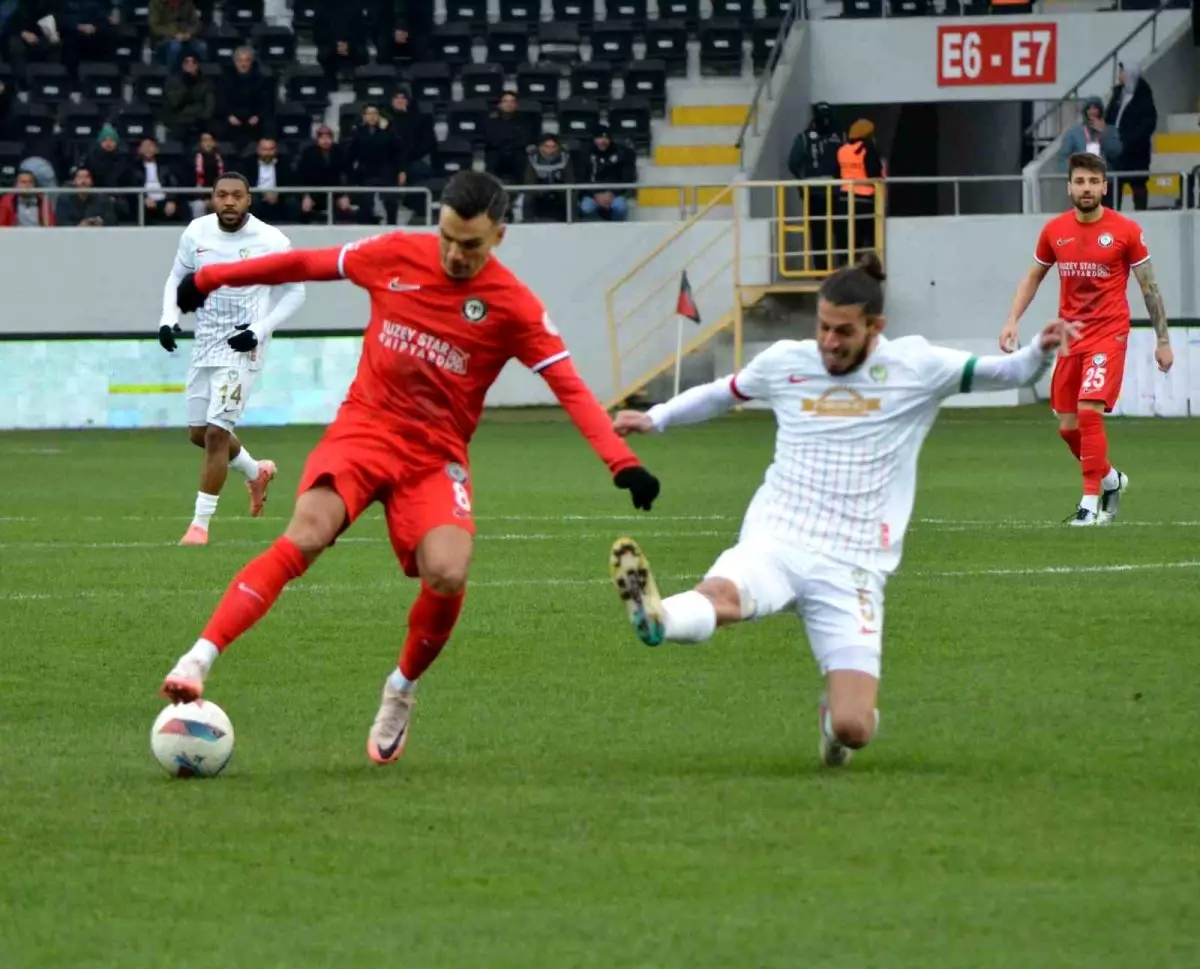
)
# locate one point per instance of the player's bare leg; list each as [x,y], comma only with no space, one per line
[689,617]
[216,442]
[443,561]
[848,717]
[318,517]
[1102,483]
[258,474]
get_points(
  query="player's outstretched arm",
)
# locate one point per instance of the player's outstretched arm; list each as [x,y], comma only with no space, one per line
[1026,290]
[1164,356]
[1024,367]
[691,407]
[168,324]
[297,266]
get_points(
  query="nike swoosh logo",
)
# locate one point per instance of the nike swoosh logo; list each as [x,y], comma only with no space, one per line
[863,630]
[199,250]
[1063,242]
[386,752]
[242,587]
[797,380]
[398,287]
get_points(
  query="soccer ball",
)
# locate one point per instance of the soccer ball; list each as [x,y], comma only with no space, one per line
[192,739]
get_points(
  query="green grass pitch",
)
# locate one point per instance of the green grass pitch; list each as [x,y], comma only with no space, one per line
[569,797]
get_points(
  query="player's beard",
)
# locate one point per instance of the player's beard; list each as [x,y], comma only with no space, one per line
[1088,205]
[840,366]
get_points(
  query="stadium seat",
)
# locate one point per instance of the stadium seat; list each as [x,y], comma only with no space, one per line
[582,13]
[666,40]
[593,80]
[171,155]
[81,122]
[137,14]
[32,121]
[450,44]
[779,8]
[739,10]
[293,124]
[48,83]
[307,85]
[304,16]
[531,115]
[910,8]
[648,79]
[432,84]
[862,8]
[508,45]
[685,11]
[467,119]
[483,81]
[629,118]
[215,73]
[127,47]
[12,153]
[539,84]
[149,83]
[349,116]
[227,149]
[375,82]
[470,12]
[558,43]
[276,46]
[222,41]
[453,155]
[243,15]
[134,122]
[100,82]
[721,47]
[527,12]
[762,41]
[578,118]
[636,12]
[612,40]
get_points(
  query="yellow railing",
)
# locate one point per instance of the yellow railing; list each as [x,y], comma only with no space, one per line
[850,224]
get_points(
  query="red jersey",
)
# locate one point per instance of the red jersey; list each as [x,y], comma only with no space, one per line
[1094,260]
[435,345]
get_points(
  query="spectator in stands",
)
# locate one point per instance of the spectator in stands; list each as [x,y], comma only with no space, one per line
[191,102]
[85,28]
[414,24]
[374,160]
[323,165]
[385,28]
[609,163]
[85,208]
[858,160]
[266,174]
[47,157]
[29,41]
[174,25]
[506,139]
[1132,112]
[150,173]
[247,99]
[207,167]
[1093,135]
[110,167]
[547,164]
[340,33]
[25,207]
[814,156]
[415,137]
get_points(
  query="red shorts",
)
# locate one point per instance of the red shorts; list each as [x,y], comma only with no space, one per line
[418,490]
[1094,375]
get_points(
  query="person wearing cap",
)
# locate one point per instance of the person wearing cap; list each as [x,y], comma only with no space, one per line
[547,164]
[84,208]
[322,164]
[814,156]
[858,162]
[609,164]
[110,167]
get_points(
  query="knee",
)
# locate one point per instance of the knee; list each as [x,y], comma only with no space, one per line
[853,728]
[314,527]
[197,435]
[446,577]
[1067,423]
[216,439]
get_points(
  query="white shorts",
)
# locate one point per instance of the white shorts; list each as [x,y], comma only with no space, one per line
[218,395]
[842,606]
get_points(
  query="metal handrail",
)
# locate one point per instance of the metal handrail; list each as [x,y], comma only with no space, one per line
[1074,95]
[764,82]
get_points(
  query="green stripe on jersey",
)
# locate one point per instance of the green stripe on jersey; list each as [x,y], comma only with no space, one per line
[968,375]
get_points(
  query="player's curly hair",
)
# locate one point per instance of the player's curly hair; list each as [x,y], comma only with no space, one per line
[472,193]
[860,285]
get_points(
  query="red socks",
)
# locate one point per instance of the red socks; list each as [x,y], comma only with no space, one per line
[430,622]
[1072,439]
[253,591]
[1093,450]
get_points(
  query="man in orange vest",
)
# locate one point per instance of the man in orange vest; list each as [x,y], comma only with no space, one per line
[858,160]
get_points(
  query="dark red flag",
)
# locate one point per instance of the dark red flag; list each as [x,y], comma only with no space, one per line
[686,306]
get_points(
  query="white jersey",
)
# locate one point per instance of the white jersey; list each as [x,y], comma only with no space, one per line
[844,475]
[227,310]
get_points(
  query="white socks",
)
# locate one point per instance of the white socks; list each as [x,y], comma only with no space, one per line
[242,463]
[689,618]
[401,682]
[1090,503]
[206,507]
[204,653]
[1112,480]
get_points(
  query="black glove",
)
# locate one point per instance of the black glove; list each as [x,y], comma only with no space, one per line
[243,341]
[166,336]
[188,296]
[642,486]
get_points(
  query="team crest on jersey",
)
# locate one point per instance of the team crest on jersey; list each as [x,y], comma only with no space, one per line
[244,253]
[456,472]
[841,402]
[861,578]
[1099,360]
[474,310]
[1105,239]
[878,373]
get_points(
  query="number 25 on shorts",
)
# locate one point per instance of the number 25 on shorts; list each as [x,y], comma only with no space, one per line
[1093,379]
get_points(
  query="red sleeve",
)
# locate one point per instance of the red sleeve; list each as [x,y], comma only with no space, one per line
[538,342]
[1136,250]
[297,266]
[587,415]
[1044,253]
[360,261]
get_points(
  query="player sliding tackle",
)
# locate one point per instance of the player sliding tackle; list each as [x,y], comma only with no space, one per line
[1095,249]
[826,526]
[446,317]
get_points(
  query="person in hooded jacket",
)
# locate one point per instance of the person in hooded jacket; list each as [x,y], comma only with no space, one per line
[814,156]
[1132,112]
[547,164]
[609,163]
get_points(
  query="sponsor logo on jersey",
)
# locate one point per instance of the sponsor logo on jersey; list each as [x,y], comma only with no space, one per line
[456,472]
[878,373]
[474,310]
[402,338]
[1105,239]
[841,402]
[1099,360]
[1092,270]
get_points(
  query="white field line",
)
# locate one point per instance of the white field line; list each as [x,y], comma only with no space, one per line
[338,588]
